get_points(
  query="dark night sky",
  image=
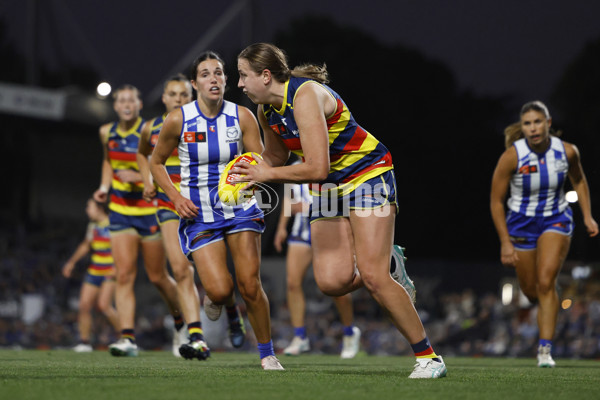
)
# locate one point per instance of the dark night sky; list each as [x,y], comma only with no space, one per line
[509,47]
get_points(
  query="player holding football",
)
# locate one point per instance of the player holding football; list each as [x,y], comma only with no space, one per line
[352,180]
[208,133]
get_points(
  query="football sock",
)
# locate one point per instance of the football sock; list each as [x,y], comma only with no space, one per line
[178,321]
[266,349]
[195,331]
[423,349]
[300,332]
[128,334]
[232,313]
[348,330]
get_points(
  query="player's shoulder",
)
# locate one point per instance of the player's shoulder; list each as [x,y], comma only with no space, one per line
[105,130]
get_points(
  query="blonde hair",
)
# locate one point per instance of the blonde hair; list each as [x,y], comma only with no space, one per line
[311,71]
[512,133]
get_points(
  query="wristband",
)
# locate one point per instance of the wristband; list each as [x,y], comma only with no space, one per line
[103,188]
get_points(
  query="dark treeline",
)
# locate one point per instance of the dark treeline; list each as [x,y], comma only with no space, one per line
[445,141]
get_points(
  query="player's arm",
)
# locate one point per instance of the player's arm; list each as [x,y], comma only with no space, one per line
[276,152]
[579,182]
[81,251]
[142,155]
[168,140]
[311,104]
[251,139]
[281,233]
[500,184]
[101,194]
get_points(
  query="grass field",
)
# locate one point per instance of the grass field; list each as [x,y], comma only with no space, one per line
[65,375]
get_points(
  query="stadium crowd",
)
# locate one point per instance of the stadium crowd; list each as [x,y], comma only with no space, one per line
[38,309]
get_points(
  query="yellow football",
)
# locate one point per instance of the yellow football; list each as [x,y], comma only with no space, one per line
[230,193]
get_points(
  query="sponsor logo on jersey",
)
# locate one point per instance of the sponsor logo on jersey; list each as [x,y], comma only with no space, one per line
[280,129]
[528,169]
[194,137]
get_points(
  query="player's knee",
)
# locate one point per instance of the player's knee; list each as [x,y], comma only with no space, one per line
[183,272]
[85,307]
[103,307]
[331,287]
[372,281]
[249,288]
[157,279]
[125,277]
[546,286]
[294,286]
[219,295]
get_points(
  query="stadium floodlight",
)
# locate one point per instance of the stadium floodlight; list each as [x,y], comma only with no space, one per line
[571,196]
[103,89]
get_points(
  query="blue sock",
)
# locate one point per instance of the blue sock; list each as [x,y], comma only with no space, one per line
[348,330]
[266,349]
[544,342]
[301,332]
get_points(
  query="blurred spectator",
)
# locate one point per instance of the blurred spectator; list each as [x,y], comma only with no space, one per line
[461,323]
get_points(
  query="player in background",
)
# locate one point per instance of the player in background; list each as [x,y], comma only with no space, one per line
[208,133]
[296,203]
[535,233]
[133,223]
[98,287]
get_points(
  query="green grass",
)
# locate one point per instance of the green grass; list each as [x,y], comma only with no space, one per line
[61,374]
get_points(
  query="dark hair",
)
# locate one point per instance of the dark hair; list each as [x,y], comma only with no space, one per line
[207,55]
[176,78]
[261,56]
[127,86]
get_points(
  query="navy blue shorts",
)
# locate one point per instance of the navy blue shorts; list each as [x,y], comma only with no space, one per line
[370,195]
[163,215]
[97,280]
[524,231]
[194,235]
[144,226]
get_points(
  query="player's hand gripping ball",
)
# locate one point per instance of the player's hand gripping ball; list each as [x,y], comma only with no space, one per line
[231,193]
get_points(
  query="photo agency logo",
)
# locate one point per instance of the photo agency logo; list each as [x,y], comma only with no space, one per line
[365,200]
[262,195]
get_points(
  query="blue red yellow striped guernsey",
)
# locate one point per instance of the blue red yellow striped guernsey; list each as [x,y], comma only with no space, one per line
[126,198]
[102,263]
[355,155]
[173,165]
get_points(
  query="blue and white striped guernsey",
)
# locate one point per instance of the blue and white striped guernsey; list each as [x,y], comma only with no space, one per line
[537,186]
[301,225]
[206,145]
